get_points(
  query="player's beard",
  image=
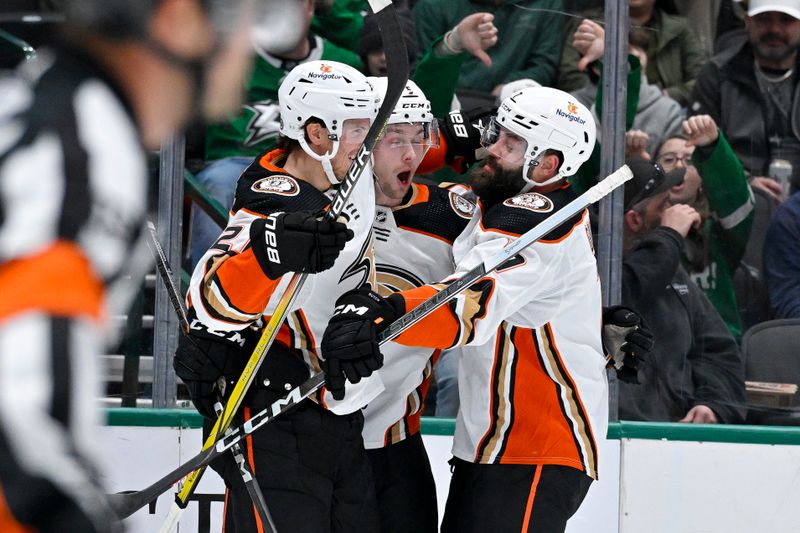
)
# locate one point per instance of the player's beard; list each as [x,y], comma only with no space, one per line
[495,184]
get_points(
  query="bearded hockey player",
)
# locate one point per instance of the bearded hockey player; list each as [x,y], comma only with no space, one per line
[532,372]
[310,464]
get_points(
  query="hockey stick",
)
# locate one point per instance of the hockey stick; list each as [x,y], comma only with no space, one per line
[127,503]
[168,278]
[166,274]
[397,70]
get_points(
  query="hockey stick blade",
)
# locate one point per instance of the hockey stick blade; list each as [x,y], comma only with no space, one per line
[398,70]
[127,503]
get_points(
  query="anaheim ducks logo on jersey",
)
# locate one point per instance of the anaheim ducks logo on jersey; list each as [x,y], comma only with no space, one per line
[532,201]
[393,278]
[277,184]
[463,207]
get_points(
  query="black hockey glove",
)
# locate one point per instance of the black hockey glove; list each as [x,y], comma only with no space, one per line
[297,242]
[349,345]
[462,133]
[626,340]
[206,367]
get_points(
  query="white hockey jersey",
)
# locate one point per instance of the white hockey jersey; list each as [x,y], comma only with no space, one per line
[532,380]
[413,246]
[230,292]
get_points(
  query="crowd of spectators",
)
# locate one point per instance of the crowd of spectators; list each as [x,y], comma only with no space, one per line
[712,107]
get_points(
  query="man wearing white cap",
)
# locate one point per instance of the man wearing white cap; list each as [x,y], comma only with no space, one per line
[760,74]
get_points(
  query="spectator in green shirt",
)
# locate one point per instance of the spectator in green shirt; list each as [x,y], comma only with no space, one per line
[529,41]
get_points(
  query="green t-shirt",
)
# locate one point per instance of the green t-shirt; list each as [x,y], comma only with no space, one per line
[255,129]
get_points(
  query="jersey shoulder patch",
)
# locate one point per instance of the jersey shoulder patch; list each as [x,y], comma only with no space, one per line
[266,191]
[277,184]
[461,206]
[533,201]
[524,211]
[435,211]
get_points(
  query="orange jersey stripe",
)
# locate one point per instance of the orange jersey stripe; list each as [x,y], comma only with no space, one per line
[538,429]
[584,430]
[267,159]
[58,280]
[247,287]
[534,417]
[531,497]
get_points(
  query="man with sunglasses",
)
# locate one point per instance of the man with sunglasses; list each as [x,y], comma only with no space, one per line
[532,371]
[695,373]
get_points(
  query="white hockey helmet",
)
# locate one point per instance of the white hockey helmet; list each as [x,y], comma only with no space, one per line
[330,91]
[547,119]
[412,107]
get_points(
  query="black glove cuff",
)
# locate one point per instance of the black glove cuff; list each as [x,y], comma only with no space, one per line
[398,304]
[259,244]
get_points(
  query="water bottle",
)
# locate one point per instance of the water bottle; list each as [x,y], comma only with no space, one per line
[781,171]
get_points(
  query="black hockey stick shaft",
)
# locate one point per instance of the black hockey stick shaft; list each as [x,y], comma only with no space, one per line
[250,483]
[165,271]
[130,502]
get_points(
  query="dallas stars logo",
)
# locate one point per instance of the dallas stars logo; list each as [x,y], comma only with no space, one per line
[265,122]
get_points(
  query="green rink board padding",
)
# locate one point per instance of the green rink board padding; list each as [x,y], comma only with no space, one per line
[185,418]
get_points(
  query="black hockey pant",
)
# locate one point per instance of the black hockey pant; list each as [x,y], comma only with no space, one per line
[313,471]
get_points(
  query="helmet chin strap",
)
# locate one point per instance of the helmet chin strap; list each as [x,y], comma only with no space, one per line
[324,159]
[527,171]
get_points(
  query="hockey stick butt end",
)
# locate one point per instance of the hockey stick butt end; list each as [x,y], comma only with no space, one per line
[614,180]
[378,5]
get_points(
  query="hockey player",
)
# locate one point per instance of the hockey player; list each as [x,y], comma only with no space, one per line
[532,378]
[310,464]
[415,226]
[73,187]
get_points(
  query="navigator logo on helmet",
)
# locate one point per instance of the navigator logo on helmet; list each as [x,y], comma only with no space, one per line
[546,119]
[331,92]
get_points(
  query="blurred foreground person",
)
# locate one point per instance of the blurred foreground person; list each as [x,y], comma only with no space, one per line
[74,126]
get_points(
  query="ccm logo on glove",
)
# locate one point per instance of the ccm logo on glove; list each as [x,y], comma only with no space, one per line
[349,308]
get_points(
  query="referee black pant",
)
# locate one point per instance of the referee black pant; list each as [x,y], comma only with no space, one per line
[512,498]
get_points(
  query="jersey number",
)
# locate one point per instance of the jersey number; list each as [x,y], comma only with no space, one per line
[228,234]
